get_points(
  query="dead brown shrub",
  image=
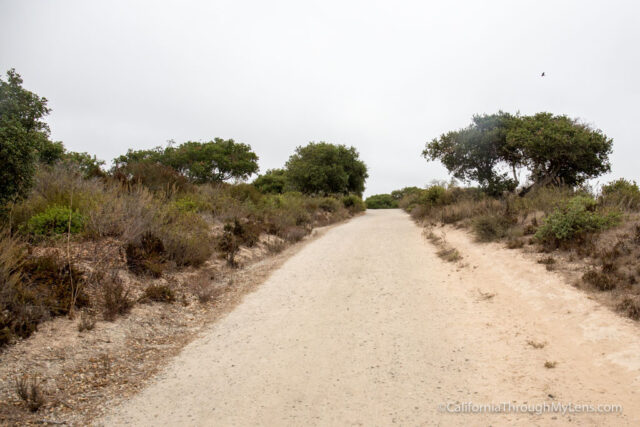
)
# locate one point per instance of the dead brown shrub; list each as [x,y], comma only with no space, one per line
[146,255]
[600,280]
[294,234]
[29,391]
[631,307]
[515,243]
[116,299]
[202,285]
[159,293]
[87,322]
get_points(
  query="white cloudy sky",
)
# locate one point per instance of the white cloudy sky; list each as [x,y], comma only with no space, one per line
[383,76]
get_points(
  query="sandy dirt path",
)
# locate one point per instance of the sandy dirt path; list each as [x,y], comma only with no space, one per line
[367,326]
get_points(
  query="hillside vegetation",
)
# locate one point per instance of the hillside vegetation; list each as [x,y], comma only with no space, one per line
[551,209]
[78,238]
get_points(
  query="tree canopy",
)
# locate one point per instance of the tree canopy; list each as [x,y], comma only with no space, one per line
[553,149]
[561,150]
[23,133]
[273,181]
[381,201]
[213,161]
[323,168]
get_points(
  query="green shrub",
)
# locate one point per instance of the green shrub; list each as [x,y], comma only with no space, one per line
[574,219]
[381,201]
[185,236]
[245,192]
[55,220]
[57,186]
[488,228]
[186,204]
[353,203]
[273,181]
[400,194]
[434,195]
[329,204]
[622,193]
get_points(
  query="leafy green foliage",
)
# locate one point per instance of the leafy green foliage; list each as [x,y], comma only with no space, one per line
[273,181]
[50,152]
[434,195]
[200,162]
[89,166]
[622,193]
[381,201]
[479,152]
[245,192]
[191,202]
[560,150]
[574,219]
[399,194]
[55,220]
[329,204]
[353,203]
[23,133]
[554,149]
[323,169]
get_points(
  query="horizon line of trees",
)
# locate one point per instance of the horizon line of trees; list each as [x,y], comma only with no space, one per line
[498,151]
[319,168]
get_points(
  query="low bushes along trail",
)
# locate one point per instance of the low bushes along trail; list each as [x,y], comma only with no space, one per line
[367,326]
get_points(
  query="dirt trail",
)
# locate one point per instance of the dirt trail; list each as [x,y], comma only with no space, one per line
[367,326]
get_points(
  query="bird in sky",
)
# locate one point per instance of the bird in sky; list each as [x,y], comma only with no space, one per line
[542,74]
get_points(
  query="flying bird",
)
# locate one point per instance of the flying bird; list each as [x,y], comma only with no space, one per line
[542,74]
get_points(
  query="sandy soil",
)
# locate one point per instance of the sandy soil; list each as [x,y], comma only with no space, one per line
[367,326]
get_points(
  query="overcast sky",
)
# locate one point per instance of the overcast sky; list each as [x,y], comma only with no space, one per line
[383,76]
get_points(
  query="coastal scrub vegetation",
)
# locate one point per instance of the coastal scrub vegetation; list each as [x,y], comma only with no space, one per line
[76,236]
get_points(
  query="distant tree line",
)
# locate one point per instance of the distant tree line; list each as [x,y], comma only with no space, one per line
[315,169]
[498,151]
